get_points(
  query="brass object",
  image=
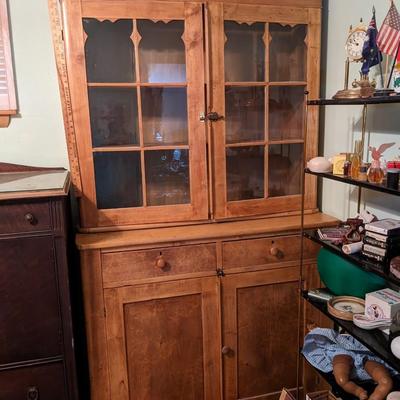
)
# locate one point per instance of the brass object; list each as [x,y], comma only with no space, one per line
[367,88]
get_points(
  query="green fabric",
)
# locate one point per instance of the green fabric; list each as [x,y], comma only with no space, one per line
[344,278]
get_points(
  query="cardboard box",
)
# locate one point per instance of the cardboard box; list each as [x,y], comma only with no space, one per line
[384,303]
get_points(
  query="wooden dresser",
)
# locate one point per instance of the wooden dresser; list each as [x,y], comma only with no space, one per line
[36,337]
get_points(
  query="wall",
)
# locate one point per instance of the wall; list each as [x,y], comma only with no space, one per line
[343,124]
[36,135]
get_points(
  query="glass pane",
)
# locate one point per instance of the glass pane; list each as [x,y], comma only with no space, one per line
[109,50]
[118,179]
[286,112]
[167,177]
[162,51]
[245,172]
[113,116]
[245,114]
[244,52]
[284,166]
[164,112]
[288,53]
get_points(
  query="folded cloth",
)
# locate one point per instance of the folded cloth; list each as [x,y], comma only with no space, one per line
[321,345]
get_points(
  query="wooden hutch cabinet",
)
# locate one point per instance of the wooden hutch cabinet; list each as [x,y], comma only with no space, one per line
[191,133]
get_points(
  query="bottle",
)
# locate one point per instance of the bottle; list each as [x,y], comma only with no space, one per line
[375,173]
[363,173]
[356,160]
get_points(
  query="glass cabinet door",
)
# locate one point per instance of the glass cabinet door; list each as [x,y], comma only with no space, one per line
[259,88]
[140,139]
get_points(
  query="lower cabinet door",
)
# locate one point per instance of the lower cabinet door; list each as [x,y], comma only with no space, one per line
[260,333]
[44,382]
[164,340]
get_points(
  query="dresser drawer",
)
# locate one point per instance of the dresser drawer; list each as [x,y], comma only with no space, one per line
[45,382]
[30,319]
[136,265]
[264,251]
[24,217]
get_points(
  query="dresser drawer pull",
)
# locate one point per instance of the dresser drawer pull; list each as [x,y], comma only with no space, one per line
[275,252]
[30,218]
[160,262]
[32,393]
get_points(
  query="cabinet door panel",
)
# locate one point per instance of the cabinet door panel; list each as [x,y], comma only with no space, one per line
[151,101]
[26,273]
[260,325]
[262,61]
[164,340]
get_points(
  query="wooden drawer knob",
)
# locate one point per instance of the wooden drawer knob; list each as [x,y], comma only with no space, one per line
[30,218]
[227,351]
[275,252]
[160,262]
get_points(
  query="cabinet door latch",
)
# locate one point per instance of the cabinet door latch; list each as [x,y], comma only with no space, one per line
[220,272]
[212,116]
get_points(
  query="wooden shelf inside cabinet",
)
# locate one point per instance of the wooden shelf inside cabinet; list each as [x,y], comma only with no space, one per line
[369,266]
[369,386]
[349,102]
[367,185]
[375,340]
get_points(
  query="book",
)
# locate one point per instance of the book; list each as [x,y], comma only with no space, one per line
[388,227]
[378,243]
[332,234]
[373,256]
[375,250]
[382,238]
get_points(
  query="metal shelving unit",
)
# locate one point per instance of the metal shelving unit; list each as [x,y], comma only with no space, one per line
[374,340]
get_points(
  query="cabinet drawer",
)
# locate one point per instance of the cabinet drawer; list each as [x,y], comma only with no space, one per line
[30,320]
[24,217]
[45,382]
[253,252]
[135,265]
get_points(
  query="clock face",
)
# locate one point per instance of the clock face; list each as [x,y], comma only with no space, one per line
[355,44]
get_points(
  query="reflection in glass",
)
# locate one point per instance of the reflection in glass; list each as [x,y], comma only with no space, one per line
[109,50]
[245,114]
[162,51]
[113,116]
[288,53]
[284,166]
[286,112]
[245,172]
[244,52]
[118,179]
[167,177]
[164,112]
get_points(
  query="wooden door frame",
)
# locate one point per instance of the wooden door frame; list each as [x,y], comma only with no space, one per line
[116,298]
[191,13]
[218,12]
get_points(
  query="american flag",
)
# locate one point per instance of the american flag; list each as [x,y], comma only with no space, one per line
[389,35]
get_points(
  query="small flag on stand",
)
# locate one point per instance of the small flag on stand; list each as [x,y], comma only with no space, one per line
[372,55]
[389,36]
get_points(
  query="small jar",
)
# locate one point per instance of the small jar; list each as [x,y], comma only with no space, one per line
[362,176]
[375,173]
[347,169]
[392,178]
